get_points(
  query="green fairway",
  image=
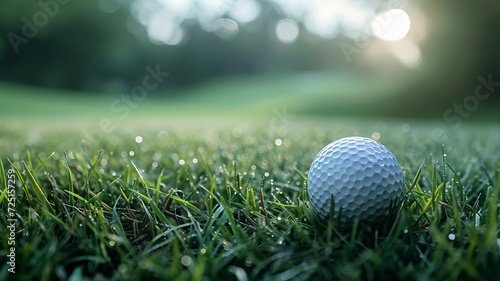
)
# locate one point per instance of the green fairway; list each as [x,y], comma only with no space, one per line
[207,203]
[313,93]
[310,93]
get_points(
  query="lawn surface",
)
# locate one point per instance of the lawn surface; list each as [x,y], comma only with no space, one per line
[208,203]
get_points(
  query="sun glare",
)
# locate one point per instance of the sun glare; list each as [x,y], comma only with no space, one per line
[392,25]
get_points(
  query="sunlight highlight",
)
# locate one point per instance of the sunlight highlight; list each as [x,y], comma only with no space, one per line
[392,25]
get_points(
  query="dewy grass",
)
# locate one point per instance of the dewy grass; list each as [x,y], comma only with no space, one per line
[198,207]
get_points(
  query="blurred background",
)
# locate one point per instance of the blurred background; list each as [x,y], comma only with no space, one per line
[128,59]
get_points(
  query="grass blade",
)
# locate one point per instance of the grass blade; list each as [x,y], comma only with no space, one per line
[158,186]
[44,162]
[37,189]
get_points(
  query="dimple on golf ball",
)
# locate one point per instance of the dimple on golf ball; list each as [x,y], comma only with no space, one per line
[362,175]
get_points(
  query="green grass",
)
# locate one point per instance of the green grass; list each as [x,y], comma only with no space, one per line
[207,205]
[320,93]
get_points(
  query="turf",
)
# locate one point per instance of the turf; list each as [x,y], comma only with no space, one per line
[232,204]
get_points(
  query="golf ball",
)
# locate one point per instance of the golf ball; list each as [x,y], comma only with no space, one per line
[362,175]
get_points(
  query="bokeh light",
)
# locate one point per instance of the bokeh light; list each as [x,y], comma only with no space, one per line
[226,28]
[245,11]
[287,31]
[324,18]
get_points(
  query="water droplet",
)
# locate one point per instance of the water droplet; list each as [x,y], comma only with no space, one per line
[182,162]
[138,139]
[237,132]
[186,260]
[278,142]
[451,236]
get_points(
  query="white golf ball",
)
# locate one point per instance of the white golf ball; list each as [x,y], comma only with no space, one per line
[362,175]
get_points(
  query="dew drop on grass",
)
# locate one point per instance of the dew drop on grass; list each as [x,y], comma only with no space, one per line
[111,243]
[451,236]
[186,260]
[182,162]
[138,139]
[278,142]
